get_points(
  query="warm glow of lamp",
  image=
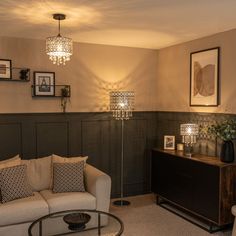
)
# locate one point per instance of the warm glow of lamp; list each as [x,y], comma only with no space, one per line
[58,48]
[122,105]
[189,133]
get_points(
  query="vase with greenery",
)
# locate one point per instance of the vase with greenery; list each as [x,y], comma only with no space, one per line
[65,95]
[226,131]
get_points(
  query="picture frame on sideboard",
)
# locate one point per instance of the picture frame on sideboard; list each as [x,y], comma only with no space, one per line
[169,142]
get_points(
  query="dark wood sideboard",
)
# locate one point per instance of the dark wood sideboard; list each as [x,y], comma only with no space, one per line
[201,185]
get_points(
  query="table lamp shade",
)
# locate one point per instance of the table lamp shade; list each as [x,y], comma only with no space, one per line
[189,133]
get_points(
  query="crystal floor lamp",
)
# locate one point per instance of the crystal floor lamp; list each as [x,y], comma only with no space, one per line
[121,105]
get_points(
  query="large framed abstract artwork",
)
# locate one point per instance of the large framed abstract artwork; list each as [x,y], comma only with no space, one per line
[204,77]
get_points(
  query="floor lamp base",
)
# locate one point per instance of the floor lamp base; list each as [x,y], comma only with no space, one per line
[121,203]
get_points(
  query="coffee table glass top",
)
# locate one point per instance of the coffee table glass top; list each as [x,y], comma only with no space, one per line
[77,222]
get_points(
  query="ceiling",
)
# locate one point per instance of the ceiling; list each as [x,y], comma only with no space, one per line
[135,23]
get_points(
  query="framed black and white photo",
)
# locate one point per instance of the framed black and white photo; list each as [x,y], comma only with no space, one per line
[5,69]
[204,77]
[44,83]
[169,142]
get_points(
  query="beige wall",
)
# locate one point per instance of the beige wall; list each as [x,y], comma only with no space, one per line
[173,77]
[93,71]
[160,78]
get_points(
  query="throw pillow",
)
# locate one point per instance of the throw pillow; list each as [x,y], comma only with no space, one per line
[14,161]
[14,183]
[68,177]
[39,172]
[59,159]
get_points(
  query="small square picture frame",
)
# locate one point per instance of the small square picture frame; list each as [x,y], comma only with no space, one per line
[44,84]
[169,142]
[5,69]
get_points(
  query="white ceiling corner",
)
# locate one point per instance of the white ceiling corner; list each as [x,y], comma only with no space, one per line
[135,23]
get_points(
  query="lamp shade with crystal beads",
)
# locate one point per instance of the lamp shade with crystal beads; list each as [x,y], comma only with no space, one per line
[59,49]
[122,104]
[189,133]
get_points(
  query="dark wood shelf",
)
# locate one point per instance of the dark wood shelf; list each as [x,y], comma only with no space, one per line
[16,72]
[57,91]
[15,80]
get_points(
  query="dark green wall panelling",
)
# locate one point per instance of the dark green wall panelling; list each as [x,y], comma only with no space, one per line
[98,135]
[169,124]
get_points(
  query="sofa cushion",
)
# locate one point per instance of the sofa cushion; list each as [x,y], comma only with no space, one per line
[59,159]
[68,177]
[68,201]
[39,172]
[14,161]
[23,210]
[14,183]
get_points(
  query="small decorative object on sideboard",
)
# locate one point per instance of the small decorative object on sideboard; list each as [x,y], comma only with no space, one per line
[180,146]
[189,133]
[169,142]
[226,131]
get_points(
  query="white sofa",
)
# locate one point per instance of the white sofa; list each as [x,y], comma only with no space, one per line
[17,215]
[233,210]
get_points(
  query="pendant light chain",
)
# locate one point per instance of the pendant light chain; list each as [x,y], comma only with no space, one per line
[59,27]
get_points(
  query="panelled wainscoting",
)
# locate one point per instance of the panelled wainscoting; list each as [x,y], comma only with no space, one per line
[98,135]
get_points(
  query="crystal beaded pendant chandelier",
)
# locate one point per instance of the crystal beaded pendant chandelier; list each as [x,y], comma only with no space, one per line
[58,48]
[122,104]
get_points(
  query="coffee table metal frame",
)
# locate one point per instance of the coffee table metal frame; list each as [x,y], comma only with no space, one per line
[39,221]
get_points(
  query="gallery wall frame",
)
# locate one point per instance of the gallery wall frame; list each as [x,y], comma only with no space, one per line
[204,77]
[44,84]
[5,69]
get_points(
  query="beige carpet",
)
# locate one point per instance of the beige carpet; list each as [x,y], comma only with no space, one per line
[144,218]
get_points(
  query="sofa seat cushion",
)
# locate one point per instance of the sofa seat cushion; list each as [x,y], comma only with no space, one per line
[68,201]
[23,210]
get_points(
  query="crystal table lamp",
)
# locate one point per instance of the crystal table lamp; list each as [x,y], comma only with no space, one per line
[189,133]
[122,105]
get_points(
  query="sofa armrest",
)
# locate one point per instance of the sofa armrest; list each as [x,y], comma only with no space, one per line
[233,210]
[98,184]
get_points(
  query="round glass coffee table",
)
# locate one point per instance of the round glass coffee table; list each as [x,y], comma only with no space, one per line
[77,222]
